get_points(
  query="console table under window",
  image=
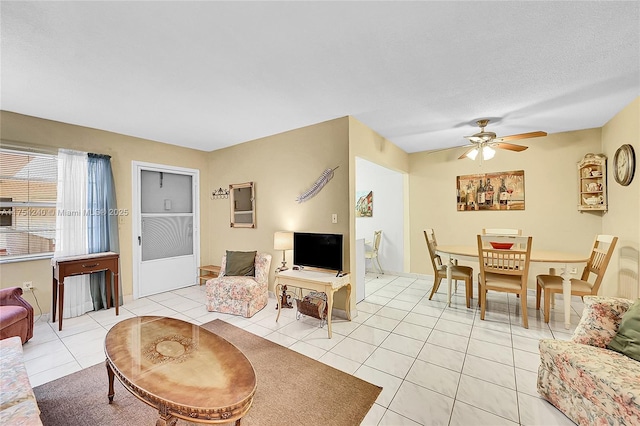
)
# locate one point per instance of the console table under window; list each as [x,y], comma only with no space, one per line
[79,265]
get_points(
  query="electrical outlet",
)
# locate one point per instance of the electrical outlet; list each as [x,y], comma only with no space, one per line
[574,270]
[27,285]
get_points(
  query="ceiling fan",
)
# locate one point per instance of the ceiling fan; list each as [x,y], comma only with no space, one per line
[485,142]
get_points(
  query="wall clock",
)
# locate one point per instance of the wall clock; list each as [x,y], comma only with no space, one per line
[624,165]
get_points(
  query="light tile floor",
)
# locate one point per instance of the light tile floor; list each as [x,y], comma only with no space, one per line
[438,365]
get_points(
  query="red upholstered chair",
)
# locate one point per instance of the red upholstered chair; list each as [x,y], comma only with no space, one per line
[16,315]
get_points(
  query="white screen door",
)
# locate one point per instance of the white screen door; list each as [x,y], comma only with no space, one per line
[166,240]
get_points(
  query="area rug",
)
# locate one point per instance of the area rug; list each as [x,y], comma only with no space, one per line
[292,390]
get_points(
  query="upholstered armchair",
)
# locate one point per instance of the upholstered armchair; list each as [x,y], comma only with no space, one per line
[16,315]
[586,380]
[240,295]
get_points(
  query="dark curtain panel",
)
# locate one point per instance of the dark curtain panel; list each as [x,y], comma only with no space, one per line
[102,222]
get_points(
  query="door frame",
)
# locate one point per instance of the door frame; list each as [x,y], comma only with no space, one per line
[136,167]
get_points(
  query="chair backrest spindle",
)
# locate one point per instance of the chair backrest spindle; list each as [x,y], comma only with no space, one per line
[430,238]
[601,253]
[377,236]
[513,261]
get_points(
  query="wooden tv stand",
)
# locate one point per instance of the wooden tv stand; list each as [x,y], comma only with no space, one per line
[318,281]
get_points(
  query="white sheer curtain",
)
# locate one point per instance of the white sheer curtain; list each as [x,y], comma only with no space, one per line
[71,227]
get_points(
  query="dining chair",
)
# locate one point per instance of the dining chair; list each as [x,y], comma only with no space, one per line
[373,253]
[498,231]
[601,252]
[504,269]
[458,273]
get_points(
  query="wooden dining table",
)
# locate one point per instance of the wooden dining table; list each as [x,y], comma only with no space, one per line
[539,256]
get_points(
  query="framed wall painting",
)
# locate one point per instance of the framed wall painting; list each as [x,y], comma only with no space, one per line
[364,203]
[490,191]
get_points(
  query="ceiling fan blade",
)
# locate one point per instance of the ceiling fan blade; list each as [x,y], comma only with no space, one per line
[433,151]
[464,155]
[520,136]
[509,146]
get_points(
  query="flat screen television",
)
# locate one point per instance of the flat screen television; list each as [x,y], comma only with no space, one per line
[317,250]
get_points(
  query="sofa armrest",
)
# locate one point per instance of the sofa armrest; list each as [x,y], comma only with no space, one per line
[223,266]
[13,296]
[9,296]
[600,320]
[263,264]
[18,404]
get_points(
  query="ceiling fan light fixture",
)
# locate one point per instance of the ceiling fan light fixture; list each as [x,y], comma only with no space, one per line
[473,153]
[488,152]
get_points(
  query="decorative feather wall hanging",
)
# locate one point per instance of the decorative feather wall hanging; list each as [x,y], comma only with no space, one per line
[324,178]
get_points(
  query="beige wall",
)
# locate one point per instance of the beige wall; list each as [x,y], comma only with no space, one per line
[369,145]
[623,217]
[123,150]
[550,216]
[366,143]
[283,166]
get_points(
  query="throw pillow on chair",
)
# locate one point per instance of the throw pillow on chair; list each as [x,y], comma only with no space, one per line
[240,264]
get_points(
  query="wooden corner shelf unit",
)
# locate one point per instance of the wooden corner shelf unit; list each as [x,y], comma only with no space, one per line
[592,183]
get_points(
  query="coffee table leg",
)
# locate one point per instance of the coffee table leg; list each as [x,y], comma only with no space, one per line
[166,419]
[170,421]
[110,374]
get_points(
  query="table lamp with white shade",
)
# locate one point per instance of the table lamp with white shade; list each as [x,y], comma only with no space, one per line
[283,240]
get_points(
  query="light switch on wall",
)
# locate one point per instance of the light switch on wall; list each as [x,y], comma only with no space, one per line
[334,218]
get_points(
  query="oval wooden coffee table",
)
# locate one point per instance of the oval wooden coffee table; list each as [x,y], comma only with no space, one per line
[183,370]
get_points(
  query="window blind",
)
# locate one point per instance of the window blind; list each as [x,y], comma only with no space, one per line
[28,190]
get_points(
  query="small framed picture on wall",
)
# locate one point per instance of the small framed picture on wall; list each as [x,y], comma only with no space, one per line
[364,203]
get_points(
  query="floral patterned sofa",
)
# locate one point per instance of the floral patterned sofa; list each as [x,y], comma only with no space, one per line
[18,404]
[240,295]
[589,383]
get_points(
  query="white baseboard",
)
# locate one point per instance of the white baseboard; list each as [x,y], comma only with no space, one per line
[406,275]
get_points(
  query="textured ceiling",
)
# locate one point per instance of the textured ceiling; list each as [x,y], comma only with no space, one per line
[212,74]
